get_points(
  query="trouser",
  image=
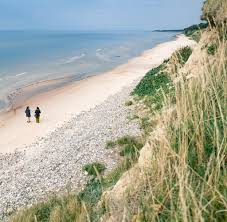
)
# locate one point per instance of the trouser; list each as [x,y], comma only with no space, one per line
[37,119]
[29,120]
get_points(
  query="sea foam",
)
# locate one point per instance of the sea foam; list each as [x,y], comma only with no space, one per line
[73,59]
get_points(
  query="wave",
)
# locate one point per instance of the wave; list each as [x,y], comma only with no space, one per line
[102,56]
[73,59]
[21,74]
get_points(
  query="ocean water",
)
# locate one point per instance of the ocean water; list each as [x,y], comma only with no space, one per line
[27,57]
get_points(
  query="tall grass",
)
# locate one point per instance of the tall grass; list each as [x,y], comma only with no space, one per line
[189,180]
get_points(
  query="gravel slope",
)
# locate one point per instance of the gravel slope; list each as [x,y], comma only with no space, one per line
[55,162]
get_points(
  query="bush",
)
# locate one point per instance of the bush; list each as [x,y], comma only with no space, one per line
[211,50]
[150,83]
[94,168]
[153,87]
[183,55]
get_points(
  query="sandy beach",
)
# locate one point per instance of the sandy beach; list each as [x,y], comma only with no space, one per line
[61,104]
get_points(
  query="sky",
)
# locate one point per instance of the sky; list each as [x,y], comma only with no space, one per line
[98,14]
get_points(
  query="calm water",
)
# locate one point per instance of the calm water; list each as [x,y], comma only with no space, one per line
[31,56]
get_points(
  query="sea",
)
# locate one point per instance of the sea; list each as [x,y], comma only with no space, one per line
[30,57]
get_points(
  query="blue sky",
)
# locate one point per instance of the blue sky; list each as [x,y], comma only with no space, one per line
[99,14]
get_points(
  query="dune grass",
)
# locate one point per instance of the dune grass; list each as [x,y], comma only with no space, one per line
[94,169]
[189,183]
[56,209]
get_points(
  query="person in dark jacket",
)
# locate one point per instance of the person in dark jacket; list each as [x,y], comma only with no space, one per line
[28,114]
[37,115]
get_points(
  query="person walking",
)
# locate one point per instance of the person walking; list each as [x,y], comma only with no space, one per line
[28,114]
[37,115]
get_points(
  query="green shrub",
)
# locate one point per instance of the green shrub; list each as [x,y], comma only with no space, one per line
[110,144]
[94,168]
[153,87]
[92,192]
[184,54]
[150,83]
[211,50]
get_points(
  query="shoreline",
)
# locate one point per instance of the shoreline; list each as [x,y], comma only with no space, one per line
[15,98]
[81,95]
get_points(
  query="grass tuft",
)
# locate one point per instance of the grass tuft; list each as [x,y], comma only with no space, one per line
[110,144]
[94,168]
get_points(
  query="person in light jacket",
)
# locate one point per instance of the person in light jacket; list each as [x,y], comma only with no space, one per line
[37,115]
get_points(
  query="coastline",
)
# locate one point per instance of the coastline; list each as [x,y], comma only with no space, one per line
[77,121]
[81,95]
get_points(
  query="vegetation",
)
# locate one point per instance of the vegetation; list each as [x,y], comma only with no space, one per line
[157,84]
[186,179]
[130,147]
[67,208]
[94,169]
[183,55]
[194,31]
[148,85]
[194,28]
[211,49]
[152,88]
[189,183]
[110,144]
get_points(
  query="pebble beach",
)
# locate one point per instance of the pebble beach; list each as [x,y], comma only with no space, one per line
[55,162]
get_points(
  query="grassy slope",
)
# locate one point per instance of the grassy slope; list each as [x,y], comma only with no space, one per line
[190,177]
